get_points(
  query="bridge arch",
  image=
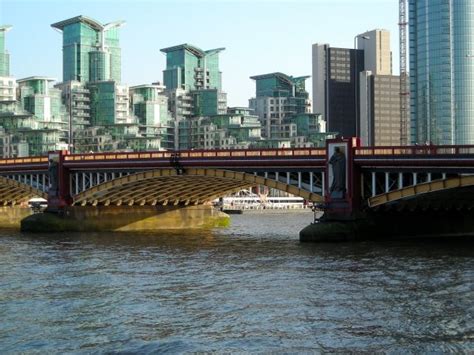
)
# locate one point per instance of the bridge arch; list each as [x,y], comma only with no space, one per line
[170,187]
[421,189]
[13,192]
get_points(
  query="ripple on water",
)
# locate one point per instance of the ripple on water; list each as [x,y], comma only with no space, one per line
[249,288]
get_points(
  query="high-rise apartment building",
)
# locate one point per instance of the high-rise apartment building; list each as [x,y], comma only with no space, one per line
[277,97]
[150,105]
[282,104]
[441,35]
[91,50]
[45,125]
[335,73]
[99,105]
[193,84]
[4,55]
[191,68]
[7,83]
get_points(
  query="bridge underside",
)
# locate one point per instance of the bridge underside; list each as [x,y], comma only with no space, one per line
[168,187]
[450,194]
[15,193]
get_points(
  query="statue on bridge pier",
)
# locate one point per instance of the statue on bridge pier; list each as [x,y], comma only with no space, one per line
[53,170]
[338,163]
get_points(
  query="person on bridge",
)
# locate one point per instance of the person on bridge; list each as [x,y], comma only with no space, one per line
[338,163]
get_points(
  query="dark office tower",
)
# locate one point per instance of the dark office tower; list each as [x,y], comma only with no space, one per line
[334,87]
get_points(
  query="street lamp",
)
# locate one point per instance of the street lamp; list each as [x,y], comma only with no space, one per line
[356,83]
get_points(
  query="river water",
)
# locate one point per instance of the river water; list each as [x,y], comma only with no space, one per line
[250,288]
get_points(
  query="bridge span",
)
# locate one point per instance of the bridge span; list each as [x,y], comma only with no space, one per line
[376,180]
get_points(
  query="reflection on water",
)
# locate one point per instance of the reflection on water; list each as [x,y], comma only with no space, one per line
[252,287]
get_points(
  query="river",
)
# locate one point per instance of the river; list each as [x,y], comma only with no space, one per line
[249,288]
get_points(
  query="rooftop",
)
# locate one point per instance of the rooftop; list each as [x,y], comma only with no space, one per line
[31,78]
[5,28]
[193,49]
[287,78]
[89,21]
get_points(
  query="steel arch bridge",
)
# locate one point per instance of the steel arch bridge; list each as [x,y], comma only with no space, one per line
[377,177]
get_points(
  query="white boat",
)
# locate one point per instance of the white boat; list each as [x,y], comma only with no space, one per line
[37,203]
[247,200]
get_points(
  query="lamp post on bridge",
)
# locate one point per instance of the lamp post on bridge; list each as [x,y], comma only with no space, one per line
[356,83]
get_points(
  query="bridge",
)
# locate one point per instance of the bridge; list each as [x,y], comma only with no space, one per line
[377,180]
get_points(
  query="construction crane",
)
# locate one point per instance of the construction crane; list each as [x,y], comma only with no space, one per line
[404,92]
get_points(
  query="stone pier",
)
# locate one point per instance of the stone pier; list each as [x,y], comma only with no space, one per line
[125,218]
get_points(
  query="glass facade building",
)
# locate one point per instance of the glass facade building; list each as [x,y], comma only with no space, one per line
[91,50]
[4,56]
[191,68]
[278,97]
[442,71]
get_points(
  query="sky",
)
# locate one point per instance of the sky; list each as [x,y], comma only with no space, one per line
[260,36]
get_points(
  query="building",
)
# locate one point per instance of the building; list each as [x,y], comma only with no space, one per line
[236,129]
[334,86]
[99,105]
[41,119]
[279,97]
[191,68]
[91,50]
[4,55]
[355,91]
[193,84]
[441,34]
[378,91]
[379,109]
[150,106]
[377,51]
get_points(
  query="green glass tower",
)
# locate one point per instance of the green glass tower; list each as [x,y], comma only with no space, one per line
[442,71]
[4,56]
[277,98]
[191,68]
[91,50]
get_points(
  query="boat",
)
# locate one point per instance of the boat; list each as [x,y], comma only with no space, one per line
[37,204]
[248,200]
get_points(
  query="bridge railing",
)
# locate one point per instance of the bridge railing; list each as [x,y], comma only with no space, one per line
[25,160]
[199,154]
[416,150]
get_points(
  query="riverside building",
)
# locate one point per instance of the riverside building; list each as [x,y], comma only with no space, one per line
[101,115]
[441,34]
[282,104]
[355,90]
[193,84]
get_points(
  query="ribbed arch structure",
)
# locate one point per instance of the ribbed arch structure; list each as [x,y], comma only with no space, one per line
[14,193]
[421,189]
[167,187]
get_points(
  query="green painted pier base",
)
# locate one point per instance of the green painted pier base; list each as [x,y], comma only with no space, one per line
[125,218]
[393,225]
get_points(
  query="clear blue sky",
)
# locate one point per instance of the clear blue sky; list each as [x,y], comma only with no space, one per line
[260,36]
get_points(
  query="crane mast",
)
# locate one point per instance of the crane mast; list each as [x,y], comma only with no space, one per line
[404,93]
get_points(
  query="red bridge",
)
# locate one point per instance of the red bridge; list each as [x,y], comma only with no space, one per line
[377,179]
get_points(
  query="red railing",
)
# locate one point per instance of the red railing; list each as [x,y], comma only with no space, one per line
[415,150]
[253,153]
[26,160]
[200,154]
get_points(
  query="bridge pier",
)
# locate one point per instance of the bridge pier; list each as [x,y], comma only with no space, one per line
[393,225]
[11,216]
[125,218]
